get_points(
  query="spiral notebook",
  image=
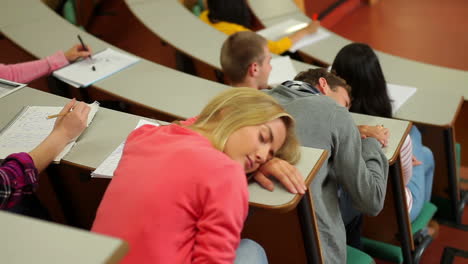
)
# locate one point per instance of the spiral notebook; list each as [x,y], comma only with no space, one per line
[88,71]
[30,127]
[107,167]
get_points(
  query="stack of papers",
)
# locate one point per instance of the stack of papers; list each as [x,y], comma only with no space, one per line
[107,167]
[106,63]
[31,127]
[290,26]
[282,70]
[399,94]
[7,87]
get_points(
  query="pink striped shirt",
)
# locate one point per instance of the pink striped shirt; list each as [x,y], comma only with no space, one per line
[406,159]
[28,71]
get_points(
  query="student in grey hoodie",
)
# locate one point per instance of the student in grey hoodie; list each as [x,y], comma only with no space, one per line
[318,100]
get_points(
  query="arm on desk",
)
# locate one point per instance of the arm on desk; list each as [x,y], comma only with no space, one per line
[360,166]
[286,173]
[66,129]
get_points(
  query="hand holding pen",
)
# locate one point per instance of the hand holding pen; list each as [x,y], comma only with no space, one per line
[85,48]
[77,52]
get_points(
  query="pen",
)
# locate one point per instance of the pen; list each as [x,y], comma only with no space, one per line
[86,49]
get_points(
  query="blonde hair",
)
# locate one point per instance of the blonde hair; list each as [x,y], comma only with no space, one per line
[241,107]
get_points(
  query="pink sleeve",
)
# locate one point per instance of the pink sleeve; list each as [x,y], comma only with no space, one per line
[224,212]
[406,160]
[29,71]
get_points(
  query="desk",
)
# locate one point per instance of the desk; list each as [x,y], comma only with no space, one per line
[29,240]
[41,32]
[395,200]
[435,105]
[96,143]
[176,25]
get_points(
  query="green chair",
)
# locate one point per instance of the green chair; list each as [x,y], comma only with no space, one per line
[198,8]
[392,253]
[355,256]
[69,11]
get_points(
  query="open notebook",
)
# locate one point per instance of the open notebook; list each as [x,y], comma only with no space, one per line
[282,70]
[7,87]
[287,27]
[30,127]
[107,167]
[106,63]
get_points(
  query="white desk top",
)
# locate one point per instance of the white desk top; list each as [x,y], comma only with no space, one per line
[146,83]
[309,165]
[96,143]
[171,21]
[398,131]
[439,89]
[29,240]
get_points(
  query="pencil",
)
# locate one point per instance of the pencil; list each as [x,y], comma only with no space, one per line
[55,116]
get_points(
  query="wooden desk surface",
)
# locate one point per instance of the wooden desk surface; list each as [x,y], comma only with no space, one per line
[29,240]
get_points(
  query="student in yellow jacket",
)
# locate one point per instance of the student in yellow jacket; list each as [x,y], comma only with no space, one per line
[231,16]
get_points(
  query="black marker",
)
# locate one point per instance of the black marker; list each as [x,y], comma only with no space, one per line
[86,49]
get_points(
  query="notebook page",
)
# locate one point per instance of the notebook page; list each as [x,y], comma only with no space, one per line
[107,167]
[31,127]
[282,70]
[106,63]
[399,94]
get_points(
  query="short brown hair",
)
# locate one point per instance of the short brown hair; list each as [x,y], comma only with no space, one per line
[312,76]
[239,51]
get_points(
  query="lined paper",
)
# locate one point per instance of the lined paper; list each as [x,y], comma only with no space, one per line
[31,127]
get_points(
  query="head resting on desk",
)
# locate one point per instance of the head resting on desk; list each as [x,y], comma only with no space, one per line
[249,126]
[328,84]
[245,60]
[358,64]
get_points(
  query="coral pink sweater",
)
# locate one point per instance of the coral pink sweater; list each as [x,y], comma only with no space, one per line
[28,71]
[174,199]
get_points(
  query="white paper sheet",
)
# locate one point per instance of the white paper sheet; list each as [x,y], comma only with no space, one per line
[289,26]
[106,63]
[282,70]
[31,127]
[8,87]
[107,167]
[399,94]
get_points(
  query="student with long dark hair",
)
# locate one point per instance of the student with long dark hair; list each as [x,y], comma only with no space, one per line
[358,64]
[231,16]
